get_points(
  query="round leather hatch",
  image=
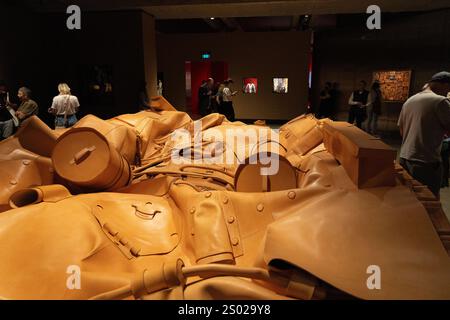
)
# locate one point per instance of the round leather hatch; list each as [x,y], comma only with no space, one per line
[81,155]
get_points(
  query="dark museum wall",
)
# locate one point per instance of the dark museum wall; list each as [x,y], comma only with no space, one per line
[116,48]
[19,50]
[252,54]
[42,52]
[420,43]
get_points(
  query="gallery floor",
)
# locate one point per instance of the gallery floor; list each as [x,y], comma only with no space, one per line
[445,192]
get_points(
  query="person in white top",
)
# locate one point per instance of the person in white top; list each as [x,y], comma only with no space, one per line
[64,107]
[226,107]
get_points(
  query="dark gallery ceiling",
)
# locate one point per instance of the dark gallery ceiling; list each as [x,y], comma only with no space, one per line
[199,16]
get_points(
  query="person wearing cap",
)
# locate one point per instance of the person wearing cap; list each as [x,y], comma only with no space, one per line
[423,122]
[227,108]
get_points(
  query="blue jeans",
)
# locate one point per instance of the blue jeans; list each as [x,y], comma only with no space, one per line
[70,121]
[6,129]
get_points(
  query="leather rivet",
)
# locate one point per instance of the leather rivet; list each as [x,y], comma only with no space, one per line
[135,251]
[292,195]
[13,182]
[192,211]
[225,201]
[235,241]
[260,207]
[192,232]
[123,241]
[208,194]
[230,219]
[26,162]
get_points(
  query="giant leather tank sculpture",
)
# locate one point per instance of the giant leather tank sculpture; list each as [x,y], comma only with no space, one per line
[107,198]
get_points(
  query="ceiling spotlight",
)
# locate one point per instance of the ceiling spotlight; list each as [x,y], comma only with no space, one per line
[212,18]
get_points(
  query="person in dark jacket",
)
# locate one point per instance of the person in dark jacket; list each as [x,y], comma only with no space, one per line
[326,101]
[205,94]
[358,102]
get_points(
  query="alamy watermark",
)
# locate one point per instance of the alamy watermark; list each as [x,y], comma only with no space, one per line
[374,21]
[73,281]
[374,280]
[74,20]
[230,146]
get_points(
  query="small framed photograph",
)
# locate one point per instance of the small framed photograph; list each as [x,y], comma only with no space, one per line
[250,85]
[280,85]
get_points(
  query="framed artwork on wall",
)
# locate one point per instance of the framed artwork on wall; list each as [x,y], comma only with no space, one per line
[395,84]
[280,85]
[250,85]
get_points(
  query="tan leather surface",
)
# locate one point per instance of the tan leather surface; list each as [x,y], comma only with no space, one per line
[33,130]
[25,159]
[368,161]
[177,231]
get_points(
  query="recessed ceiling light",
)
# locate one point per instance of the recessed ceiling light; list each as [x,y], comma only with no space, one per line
[212,18]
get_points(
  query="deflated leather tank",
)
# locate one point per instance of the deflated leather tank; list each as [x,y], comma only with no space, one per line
[155,205]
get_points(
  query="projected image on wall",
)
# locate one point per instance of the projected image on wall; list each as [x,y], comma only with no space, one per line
[280,85]
[250,85]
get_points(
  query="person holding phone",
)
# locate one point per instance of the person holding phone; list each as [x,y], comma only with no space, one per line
[358,102]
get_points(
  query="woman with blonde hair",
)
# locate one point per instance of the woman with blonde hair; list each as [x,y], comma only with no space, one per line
[64,107]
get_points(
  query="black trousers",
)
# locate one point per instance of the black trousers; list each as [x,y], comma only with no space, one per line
[445,155]
[429,174]
[226,108]
[358,114]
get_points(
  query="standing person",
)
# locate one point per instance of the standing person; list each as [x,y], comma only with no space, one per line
[357,102]
[335,94]
[6,118]
[374,103]
[64,107]
[214,103]
[205,97]
[219,97]
[423,121]
[27,107]
[325,102]
[227,105]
